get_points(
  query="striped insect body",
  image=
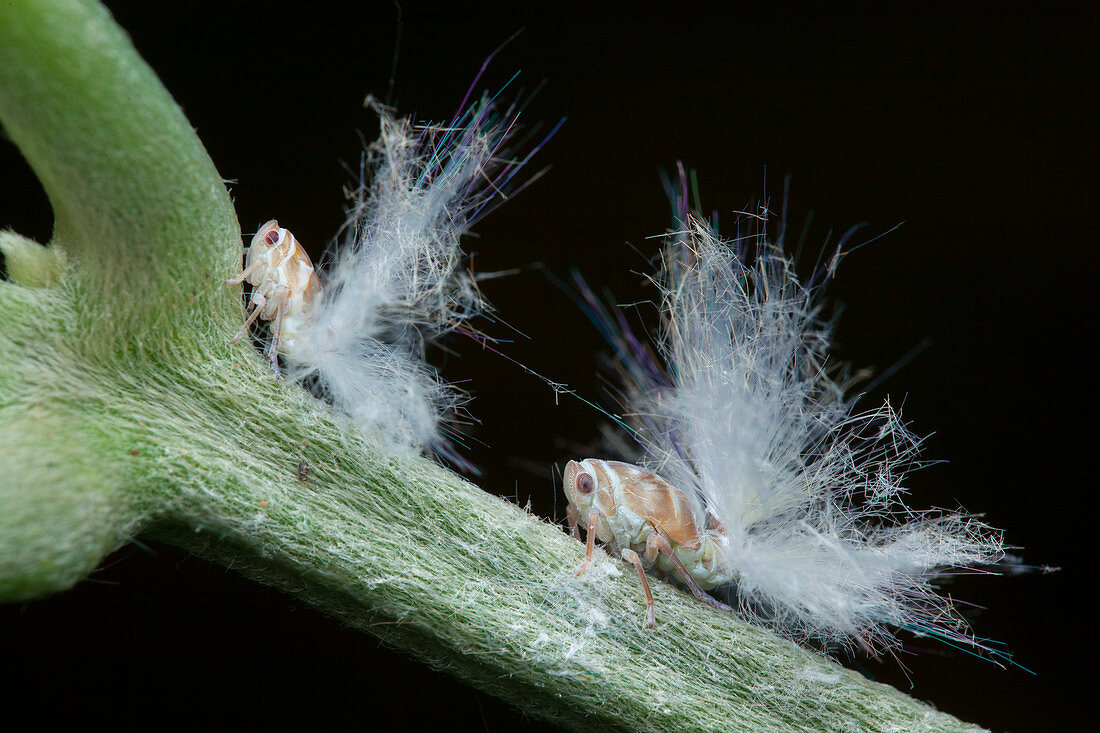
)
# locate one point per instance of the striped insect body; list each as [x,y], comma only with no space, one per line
[648,522]
[284,289]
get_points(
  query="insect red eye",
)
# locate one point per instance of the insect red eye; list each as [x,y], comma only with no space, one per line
[585,484]
[272,236]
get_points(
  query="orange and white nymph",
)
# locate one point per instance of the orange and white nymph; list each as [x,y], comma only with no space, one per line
[284,289]
[632,510]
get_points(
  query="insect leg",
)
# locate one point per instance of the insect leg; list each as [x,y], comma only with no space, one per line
[650,557]
[255,307]
[243,275]
[573,517]
[659,541]
[282,305]
[590,544]
[650,614]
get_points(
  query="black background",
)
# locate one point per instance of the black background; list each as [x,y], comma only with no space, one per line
[973,124]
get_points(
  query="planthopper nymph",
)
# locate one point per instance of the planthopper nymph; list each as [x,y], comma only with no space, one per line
[284,288]
[771,483]
[632,510]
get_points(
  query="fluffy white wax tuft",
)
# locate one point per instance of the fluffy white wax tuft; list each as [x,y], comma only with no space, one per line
[397,280]
[748,411]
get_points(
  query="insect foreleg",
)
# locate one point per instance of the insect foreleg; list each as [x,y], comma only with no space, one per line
[573,517]
[240,278]
[590,543]
[256,307]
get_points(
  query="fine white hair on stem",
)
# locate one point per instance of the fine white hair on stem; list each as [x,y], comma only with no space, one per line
[397,280]
[744,407]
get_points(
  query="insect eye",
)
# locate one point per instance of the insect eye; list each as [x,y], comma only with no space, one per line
[272,236]
[585,484]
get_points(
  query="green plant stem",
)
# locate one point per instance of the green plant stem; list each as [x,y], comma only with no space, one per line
[124,412]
